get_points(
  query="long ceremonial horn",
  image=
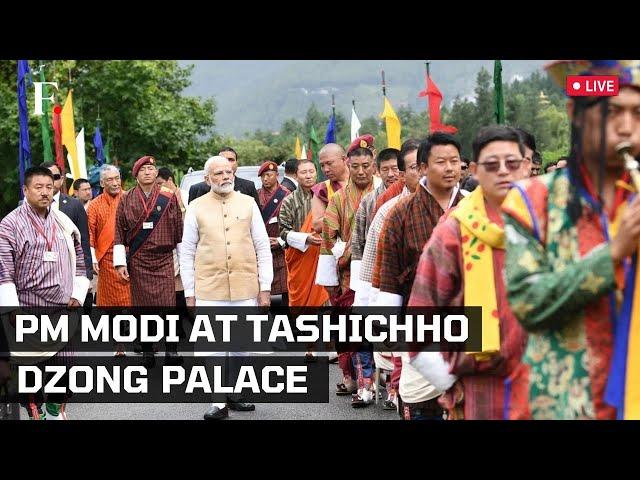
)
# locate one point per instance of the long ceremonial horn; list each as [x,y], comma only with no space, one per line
[630,163]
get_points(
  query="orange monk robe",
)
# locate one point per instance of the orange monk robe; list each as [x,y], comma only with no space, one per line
[295,221]
[112,291]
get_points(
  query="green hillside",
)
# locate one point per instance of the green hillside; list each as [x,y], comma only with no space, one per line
[261,94]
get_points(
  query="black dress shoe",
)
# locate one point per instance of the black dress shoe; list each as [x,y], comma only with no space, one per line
[172,358]
[148,360]
[216,413]
[241,406]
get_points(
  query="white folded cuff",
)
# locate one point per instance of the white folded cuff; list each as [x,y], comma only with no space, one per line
[119,256]
[298,240]
[265,287]
[373,296]
[354,282]
[94,259]
[361,298]
[8,296]
[190,292]
[80,288]
[433,367]
[327,273]
[338,249]
[387,299]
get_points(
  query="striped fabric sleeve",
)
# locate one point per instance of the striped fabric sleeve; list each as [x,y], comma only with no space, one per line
[330,225]
[7,251]
[8,292]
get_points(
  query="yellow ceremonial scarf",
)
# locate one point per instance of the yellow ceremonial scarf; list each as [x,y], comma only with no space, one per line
[632,378]
[479,237]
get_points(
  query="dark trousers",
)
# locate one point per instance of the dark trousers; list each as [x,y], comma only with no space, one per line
[429,410]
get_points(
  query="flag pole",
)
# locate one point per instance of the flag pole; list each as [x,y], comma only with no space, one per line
[384,85]
[426,64]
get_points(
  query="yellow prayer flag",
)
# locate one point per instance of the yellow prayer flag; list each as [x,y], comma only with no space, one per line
[69,135]
[393,125]
[298,150]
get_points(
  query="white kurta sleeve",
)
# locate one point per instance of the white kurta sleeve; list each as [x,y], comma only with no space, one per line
[187,255]
[263,250]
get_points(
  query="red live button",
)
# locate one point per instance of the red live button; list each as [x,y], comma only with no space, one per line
[592,85]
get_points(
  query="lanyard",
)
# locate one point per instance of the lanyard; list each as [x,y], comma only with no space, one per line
[152,202]
[41,232]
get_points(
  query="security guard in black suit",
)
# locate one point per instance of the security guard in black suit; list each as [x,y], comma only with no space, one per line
[73,209]
[240,184]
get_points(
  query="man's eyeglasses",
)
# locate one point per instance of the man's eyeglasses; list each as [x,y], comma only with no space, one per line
[56,177]
[413,167]
[512,164]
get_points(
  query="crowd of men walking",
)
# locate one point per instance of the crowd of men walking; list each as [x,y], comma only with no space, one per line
[545,256]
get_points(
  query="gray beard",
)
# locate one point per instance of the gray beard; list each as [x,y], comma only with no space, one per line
[220,190]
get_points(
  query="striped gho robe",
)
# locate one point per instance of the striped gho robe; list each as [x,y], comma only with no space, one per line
[371,248]
[267,199]
[339,222]
[25,279]
[295,222]
[440,282]
[406,231]
[112,291]
[151,268]
[28,281]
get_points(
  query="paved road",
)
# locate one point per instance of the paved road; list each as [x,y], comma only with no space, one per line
[338,408]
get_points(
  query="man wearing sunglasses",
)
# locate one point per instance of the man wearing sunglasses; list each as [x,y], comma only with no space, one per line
[536,164]
[462,265]
[73,209]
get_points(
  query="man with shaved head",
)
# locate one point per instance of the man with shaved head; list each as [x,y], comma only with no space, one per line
[334,268]
[333,163]
[226,256]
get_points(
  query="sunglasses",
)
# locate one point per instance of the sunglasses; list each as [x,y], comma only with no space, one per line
[463,167]
[511,164]
[56,176]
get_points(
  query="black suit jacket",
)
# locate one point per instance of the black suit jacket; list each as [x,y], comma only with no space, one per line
[288,184]
[241,185]
[73,209]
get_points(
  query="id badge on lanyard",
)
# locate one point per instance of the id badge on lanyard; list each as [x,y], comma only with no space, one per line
[49,254]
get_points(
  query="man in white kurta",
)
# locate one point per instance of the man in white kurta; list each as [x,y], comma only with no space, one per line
[225,260]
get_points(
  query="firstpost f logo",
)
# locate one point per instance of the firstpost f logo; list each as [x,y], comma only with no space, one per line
[592,85]
[39,99]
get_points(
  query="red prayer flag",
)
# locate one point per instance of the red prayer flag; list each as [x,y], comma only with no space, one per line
[57,130]
[435,99]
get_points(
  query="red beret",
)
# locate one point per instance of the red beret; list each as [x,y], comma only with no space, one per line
[146,160]
[363,141]
[268,166]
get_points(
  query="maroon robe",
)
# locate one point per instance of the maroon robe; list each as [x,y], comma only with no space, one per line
[151,271]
